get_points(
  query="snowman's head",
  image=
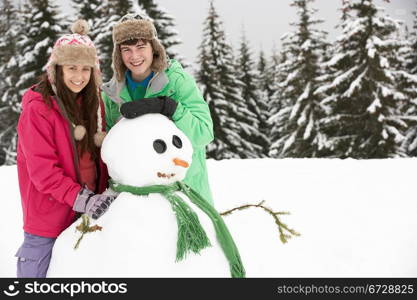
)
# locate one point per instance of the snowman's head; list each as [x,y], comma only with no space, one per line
[146,150]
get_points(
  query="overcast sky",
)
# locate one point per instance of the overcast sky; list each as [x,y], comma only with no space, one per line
[265,21]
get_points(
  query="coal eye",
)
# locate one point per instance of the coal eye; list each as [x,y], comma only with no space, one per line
[176,141]
[159,146]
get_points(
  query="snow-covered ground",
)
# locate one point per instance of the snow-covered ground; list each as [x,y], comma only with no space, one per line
[356,218]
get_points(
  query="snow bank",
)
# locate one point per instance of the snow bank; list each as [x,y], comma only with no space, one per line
[356,218]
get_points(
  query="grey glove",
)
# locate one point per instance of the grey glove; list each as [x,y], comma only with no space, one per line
[94,205]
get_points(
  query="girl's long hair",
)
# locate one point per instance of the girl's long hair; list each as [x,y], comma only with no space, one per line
[82,113]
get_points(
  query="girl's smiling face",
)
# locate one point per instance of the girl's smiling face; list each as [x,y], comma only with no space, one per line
[76,77]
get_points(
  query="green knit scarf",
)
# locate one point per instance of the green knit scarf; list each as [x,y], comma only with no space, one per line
[191,235]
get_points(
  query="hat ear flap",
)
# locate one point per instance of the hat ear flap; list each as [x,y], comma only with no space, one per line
[160,60]
[51,71]
[118,66]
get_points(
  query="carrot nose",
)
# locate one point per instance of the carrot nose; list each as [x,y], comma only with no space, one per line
[180,162]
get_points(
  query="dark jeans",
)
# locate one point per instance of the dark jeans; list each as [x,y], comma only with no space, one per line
[34,256]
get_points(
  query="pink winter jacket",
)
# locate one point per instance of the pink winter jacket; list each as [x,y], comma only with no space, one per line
[47,166]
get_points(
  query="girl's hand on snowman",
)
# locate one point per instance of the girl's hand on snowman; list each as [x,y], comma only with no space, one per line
[110,192]
[94,205]
[162,105]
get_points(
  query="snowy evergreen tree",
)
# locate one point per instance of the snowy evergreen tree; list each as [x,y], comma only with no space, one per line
[367,89]
[264,83]
[91,11]
[13,32]
[207,78]
[330,73]
[412,60]
[274,76]
[8,16]
[222,91]
[42,27]
[295,126]
[409,109]
[165,26]
[247,74]
[111,12]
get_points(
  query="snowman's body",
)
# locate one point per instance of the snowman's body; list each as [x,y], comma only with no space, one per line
[139,233]
[138,239]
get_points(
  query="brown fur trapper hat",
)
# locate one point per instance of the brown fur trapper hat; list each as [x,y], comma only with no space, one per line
[136,26]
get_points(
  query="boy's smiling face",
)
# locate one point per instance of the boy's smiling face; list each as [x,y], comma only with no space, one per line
[138,58]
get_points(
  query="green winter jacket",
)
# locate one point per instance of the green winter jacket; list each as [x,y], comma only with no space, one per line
[192,115]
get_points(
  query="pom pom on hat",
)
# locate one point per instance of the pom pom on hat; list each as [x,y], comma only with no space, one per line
[99,137]
[79,132]
[80,27]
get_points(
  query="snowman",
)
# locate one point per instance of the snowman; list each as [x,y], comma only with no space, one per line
[157,226]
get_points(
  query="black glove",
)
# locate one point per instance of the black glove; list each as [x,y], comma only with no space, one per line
[162,105]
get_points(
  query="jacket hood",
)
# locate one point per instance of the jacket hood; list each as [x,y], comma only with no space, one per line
[32,95]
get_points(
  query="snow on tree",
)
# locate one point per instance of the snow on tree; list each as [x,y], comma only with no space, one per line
[165,26]
[111,11]
[264,84]
[367,87]
[42,26]
[247,74]
[13,31]
[409,109]
[207,77]
[295,126]
[7,48]
[222,90]
[330,72]
[412,63]
[91,11]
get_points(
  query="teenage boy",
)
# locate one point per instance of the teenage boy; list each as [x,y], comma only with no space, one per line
[146,81]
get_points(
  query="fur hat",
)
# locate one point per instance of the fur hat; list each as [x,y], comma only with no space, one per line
[77,48]
[136,26]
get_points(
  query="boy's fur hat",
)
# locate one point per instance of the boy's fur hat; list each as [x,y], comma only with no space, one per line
[136,26]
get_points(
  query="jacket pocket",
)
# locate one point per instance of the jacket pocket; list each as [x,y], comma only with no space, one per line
[46,204]
[33,262]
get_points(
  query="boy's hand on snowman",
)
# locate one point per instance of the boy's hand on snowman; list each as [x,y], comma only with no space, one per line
[94,205]
[162,105]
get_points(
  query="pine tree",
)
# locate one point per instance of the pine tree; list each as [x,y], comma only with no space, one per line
[409,109]
[264,83]
[296,131]
[13,31]
[412,60]
[43,27]
[165,26]
[273,77]
[7,48]
[246,70]
[207,77]
[366,91]
[327,95]
[91,11]
[111,12]
[222,91]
